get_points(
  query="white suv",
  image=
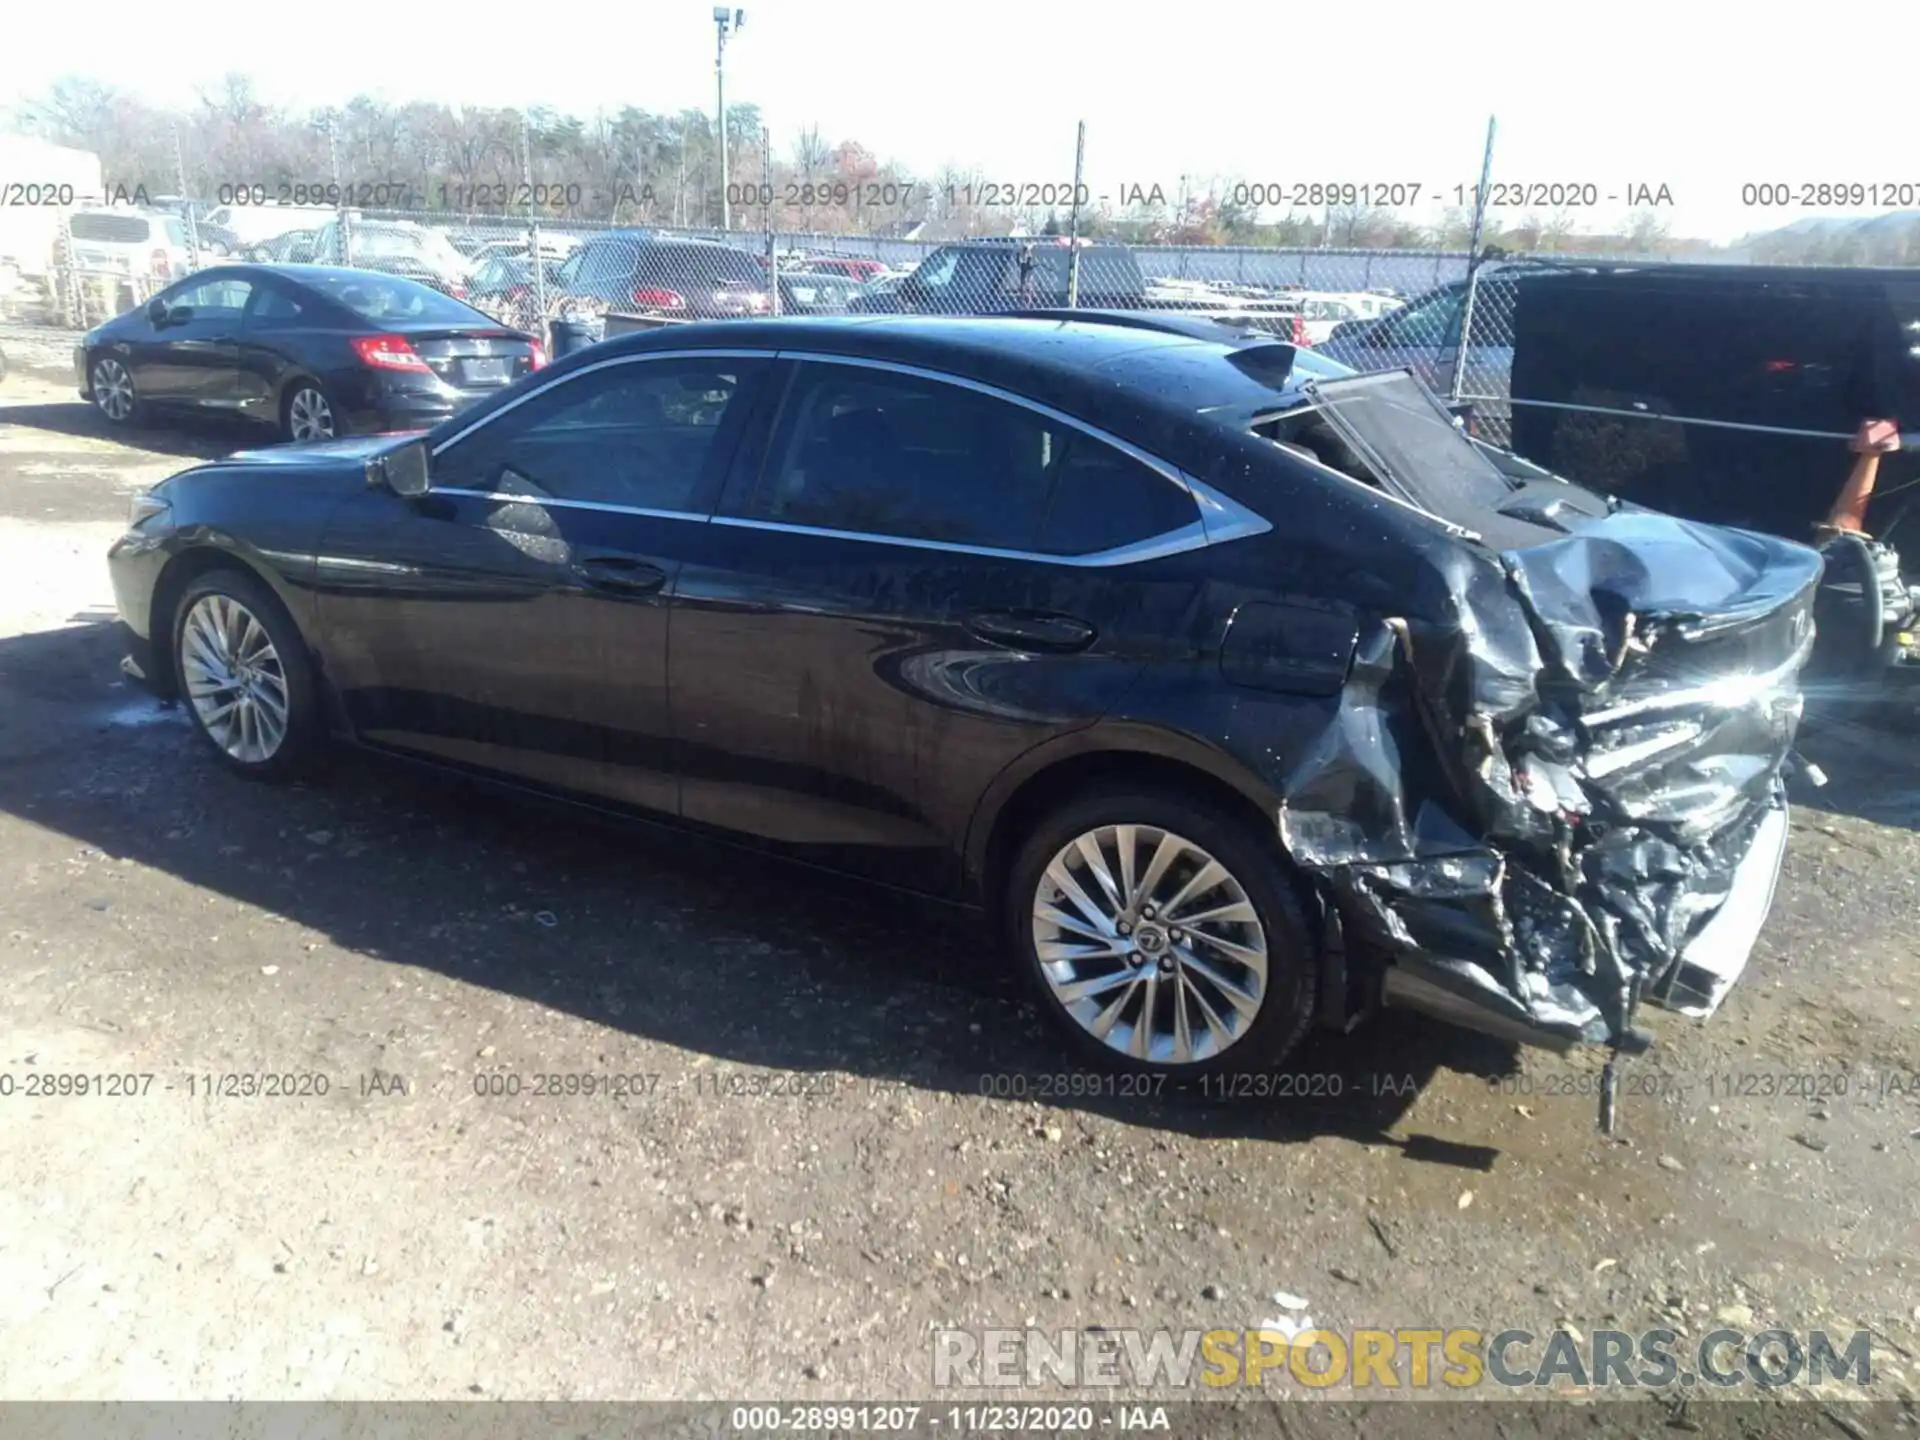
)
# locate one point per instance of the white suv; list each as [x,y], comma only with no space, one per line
[139,244]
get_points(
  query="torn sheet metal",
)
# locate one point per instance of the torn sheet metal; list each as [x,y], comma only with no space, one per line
[1537,797]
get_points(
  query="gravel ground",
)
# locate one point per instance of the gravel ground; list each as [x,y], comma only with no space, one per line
[836,1138]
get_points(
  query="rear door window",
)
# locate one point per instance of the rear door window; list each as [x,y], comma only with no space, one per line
[873,452]
[1104,499]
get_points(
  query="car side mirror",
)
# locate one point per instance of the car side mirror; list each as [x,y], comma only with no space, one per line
[404,471]
[157,312]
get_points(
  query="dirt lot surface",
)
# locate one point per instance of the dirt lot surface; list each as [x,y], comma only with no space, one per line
[839,1135]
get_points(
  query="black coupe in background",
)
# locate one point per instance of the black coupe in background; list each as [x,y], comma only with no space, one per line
[313,350]
[1242,697]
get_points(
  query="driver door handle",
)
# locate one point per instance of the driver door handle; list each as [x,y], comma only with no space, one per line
[621,574]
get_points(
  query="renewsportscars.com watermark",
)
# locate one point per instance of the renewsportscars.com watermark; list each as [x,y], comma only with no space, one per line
[1381,1362]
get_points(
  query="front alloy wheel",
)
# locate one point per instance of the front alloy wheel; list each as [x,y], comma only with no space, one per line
[309,415]
[113,390]
[235,679]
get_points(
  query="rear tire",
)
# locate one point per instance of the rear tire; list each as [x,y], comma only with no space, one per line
[1184,952]
[244,675]
[308,413]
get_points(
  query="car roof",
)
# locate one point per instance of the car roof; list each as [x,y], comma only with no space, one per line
[300,273]
[1128,373]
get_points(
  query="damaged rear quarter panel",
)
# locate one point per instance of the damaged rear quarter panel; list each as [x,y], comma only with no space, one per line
[1544,766]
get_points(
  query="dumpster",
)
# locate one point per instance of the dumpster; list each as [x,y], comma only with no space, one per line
[576,332]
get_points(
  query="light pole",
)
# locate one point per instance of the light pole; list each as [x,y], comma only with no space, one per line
[725,21]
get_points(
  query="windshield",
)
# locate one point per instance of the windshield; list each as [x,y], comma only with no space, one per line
[110,229]
[1409,440]
[370,241]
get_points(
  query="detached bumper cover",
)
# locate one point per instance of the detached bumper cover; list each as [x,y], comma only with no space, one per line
[1559,794]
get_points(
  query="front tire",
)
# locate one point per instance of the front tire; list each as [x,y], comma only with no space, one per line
[244,673]
[308,414]
[1161,935]
[113,393]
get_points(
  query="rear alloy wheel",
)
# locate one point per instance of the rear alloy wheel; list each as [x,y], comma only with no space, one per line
[1162,936]
[310,414]
[113,391]
[243,671]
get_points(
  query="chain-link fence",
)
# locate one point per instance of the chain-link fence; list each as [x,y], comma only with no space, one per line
[1449,321]
[93,266]
[1430,311]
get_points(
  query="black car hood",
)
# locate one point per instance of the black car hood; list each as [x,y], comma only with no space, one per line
[1537,788]
[322,452]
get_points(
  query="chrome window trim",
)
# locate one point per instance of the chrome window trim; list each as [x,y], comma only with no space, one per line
[1172,542]
[1217,518]
[514,497]
[607,364]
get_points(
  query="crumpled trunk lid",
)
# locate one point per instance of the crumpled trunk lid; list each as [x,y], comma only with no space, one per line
[1551,804]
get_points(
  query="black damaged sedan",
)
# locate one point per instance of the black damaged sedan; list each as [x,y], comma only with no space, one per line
[1241,695]
[316,351]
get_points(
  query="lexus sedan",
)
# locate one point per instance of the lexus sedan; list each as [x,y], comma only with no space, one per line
[314,351]
[1241,694]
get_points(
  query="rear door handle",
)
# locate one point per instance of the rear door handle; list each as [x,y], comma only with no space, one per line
[622,574]
[1053,634]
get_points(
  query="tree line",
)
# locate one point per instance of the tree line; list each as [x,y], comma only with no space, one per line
[645,167]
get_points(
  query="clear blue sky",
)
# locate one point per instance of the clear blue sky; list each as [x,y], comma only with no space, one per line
[1696,96]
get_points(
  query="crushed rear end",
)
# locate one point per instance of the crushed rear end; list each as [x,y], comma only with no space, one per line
[1559,793]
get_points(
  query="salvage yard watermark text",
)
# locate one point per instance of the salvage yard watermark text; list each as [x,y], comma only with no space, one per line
[1382,1361]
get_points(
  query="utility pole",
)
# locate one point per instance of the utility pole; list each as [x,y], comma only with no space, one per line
[186,200]
[725,20]
[538,268]
[766,191]
[1457,380]
[1073,218]
[330,122]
